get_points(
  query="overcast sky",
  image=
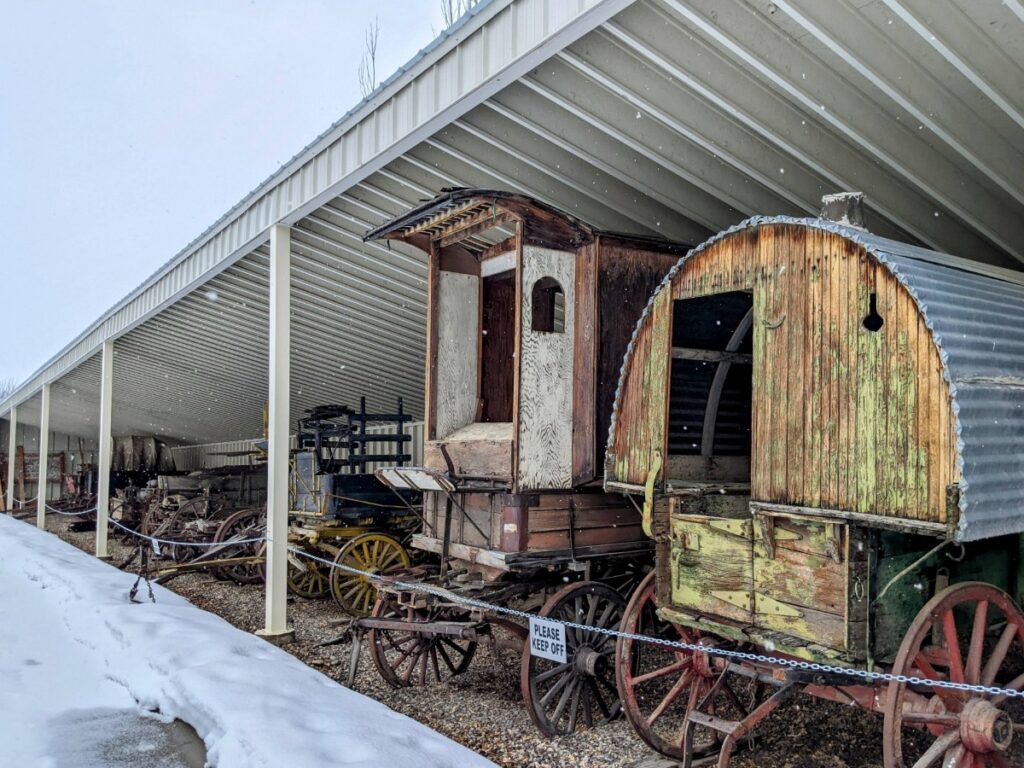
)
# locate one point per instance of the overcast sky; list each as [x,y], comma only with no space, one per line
[127,128]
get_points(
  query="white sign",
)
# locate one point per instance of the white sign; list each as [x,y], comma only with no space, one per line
[547,639]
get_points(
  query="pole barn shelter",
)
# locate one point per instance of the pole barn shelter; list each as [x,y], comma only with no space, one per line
[676,118]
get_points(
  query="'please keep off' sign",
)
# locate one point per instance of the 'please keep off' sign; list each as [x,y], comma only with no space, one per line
[547,639]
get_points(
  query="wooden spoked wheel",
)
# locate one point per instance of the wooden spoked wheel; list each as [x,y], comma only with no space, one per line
[405,657]
[560,696]
[244,524]
[654,681]
[310,578]
[370,553]
[662,687]
[968,633]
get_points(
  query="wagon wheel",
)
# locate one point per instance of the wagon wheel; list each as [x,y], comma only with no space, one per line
[310,578]
[250,524]
[966,633]
[621,574]
[654,681]
[369,552]
[559,695]
[181,520]
[404,657]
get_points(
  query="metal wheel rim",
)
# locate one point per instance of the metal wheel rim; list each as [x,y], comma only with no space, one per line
[244,573]
[559,696]
[918,658]
[405,659]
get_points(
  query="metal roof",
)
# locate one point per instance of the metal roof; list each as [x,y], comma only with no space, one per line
[976,317]
[657,117]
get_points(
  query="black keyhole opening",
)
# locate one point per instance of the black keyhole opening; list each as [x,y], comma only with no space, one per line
[874,321]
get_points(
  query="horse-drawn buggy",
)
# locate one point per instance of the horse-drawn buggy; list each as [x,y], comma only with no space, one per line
[825,431]
[529,313]
[340,511]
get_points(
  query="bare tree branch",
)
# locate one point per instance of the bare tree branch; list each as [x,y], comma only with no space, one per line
[7,387]
[368,64]
[452,10]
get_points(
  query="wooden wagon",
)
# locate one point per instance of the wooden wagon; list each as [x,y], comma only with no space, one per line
[529,313]
[826,431]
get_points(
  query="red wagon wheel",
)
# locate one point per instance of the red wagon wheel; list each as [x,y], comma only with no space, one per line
[406,657]
[246,524]
[661,686]
[967,633]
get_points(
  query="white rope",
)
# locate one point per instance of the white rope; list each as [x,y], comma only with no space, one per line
[674,644]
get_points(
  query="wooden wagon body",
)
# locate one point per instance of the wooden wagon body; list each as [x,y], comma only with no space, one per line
[826,429]
[529,313]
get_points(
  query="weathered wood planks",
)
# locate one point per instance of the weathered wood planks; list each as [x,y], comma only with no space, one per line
[843,417]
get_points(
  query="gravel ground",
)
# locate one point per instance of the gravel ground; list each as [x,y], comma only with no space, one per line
[483,710]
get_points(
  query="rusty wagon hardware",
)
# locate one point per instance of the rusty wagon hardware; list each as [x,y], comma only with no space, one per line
[529,314]
[822,429]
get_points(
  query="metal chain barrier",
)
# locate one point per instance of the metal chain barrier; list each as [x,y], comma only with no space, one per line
[172,543]
[75,513]
[674,644]
[26,502]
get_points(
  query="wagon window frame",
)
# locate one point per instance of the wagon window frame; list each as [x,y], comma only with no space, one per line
[547,314]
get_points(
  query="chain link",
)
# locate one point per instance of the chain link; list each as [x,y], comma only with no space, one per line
[173,543]
[809,666]
[74,513]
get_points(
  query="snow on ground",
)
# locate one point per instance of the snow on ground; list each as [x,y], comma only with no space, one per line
[72,644]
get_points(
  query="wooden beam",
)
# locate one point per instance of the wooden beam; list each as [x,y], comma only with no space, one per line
[468,227]
[711,355]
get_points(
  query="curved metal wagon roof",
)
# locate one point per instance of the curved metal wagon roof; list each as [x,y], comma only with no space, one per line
[976,316]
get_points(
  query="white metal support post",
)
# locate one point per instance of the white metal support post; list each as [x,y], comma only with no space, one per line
[106,448]
[12,447]
[42,486]
[276,628]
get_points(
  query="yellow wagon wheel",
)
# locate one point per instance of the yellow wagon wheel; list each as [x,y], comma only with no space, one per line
[371,553]
[309,578]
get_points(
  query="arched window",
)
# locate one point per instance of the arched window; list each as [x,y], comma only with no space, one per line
[548,306]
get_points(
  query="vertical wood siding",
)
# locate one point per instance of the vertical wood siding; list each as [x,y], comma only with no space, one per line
[843,418]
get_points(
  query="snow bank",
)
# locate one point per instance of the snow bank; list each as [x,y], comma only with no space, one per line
[252,703]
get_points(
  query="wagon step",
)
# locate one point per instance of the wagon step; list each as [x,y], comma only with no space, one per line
[727,727]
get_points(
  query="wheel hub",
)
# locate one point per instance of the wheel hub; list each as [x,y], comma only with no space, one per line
[589,662]
[985,728]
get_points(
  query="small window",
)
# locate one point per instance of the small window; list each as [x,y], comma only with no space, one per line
[548,306]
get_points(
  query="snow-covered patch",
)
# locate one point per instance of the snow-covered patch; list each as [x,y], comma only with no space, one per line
[71,642]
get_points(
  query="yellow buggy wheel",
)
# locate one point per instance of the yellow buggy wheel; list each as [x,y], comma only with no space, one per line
[371,553]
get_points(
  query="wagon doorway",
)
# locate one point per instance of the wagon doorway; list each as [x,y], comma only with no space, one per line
[710,402]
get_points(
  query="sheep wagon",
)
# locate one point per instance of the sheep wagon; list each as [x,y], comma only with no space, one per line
[826,432]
